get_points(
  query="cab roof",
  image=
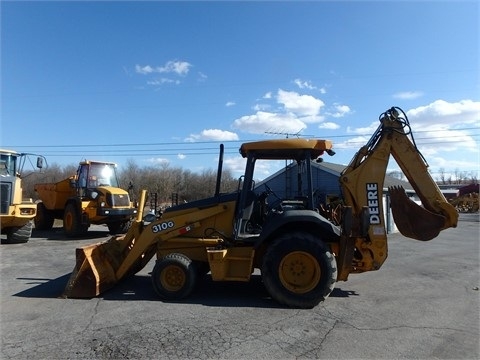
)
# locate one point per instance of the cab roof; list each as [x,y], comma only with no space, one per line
[91,162]
[11,152]
[280,149]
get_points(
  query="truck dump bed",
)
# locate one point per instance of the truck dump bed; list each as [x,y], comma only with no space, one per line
[55,195]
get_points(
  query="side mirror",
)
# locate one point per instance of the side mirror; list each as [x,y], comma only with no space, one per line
[39,162]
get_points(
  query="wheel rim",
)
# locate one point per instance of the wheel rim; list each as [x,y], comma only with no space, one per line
[172,278]
[299,272]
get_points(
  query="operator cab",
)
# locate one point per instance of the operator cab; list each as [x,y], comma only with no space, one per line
[253,209]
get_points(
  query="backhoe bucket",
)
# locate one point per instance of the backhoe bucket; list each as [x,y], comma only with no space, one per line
[95,269]
[413,220]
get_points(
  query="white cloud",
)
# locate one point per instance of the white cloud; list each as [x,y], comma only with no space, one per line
[213,135]
[328,126]
[408,95]
[181,156]
[365,130]
[162,81]
[230,103]
[143,69]
[339,111]
[262,122]
[301,105]
[158,161]
[261,107]
[304,84]
[177,67]
[447,114]
[235,164]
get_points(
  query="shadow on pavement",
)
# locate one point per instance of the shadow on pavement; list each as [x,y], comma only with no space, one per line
[57,234]
[139,288]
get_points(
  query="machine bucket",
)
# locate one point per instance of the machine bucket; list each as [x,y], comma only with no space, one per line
[413,220]
[95,269]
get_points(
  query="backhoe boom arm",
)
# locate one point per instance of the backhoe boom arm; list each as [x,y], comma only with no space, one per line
[362,184]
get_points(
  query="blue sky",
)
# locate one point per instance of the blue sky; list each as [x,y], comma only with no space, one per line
[165,82]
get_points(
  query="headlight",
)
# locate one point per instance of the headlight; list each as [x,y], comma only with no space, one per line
[102,204]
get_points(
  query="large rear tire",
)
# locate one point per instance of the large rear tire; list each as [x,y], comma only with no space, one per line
[298,270]
[44,218]
[72,222]
[174,277]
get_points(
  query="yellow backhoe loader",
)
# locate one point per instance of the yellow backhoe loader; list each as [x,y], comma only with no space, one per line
[300,253]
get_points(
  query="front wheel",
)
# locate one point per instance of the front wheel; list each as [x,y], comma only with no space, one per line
[174,276]
[298,270]
[72,222]
[119,227]
[19,235]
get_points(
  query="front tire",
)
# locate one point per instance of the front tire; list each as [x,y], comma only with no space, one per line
[19,235]
[72,222]
[298,270]
[119,227]
[174,277]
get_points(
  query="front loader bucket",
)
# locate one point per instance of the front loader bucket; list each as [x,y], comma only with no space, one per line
[95,269]
[413,220]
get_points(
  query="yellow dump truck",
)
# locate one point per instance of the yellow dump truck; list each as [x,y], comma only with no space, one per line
[91,196]
[300,253]
[16,212]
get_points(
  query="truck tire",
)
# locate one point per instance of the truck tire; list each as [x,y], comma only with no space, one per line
[19,235]
[174,277]
[119,227]
[72,222]
[298,270]
[44,218]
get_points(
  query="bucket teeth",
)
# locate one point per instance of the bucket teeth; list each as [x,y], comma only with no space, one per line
[413,220]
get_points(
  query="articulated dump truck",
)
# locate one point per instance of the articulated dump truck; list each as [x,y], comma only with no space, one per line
[301,253]
[91,196]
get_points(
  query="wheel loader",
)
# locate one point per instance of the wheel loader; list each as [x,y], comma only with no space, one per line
[300,253]
[16,212]
[91,196]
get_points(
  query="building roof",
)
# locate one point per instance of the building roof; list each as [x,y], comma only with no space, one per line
[336,169]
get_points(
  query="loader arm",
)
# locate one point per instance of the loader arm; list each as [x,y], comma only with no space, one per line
[100,266]
[362,184]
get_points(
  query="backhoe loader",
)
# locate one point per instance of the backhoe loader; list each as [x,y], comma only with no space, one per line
[300,253]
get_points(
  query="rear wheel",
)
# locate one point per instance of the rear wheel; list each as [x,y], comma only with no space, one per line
[72,222]
[44,218]
[19,235]
[174,277]
[298,270]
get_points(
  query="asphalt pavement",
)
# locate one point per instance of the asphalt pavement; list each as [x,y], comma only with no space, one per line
[422,304]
